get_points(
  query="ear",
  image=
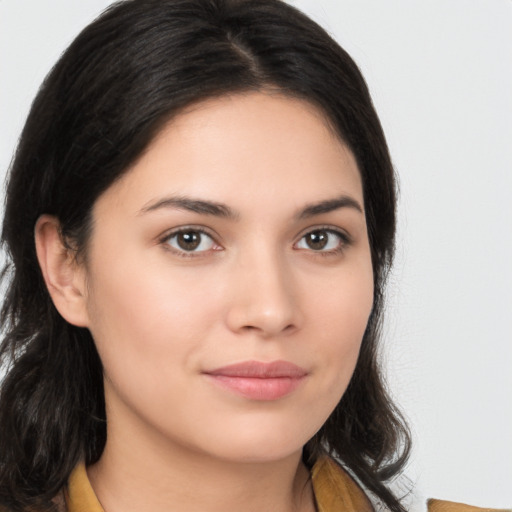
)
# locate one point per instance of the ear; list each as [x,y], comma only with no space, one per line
[64,277]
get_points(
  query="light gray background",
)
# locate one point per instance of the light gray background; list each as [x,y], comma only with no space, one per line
[440,72]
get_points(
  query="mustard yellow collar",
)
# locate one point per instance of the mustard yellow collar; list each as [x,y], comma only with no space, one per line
[333,487]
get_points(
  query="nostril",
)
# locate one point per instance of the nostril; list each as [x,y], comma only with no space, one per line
[267,330]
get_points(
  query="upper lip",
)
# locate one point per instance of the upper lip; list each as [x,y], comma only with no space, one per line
[260,370]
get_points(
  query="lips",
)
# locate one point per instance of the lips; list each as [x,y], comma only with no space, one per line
[259,381]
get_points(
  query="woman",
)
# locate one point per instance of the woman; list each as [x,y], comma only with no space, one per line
[194,323]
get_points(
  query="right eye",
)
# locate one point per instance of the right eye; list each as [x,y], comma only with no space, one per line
[190,241]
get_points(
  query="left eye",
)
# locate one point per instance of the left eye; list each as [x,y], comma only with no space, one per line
[321,240]
[191,240]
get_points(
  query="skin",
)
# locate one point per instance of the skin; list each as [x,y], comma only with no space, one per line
[257,288]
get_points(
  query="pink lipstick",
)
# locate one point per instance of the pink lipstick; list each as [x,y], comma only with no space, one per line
[259,381]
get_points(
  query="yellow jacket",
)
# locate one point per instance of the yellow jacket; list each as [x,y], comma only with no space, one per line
[335,491]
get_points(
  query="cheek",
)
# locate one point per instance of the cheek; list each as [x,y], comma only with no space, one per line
[337,316]
[145,319]
[343,309]
[149,329]
[341,319]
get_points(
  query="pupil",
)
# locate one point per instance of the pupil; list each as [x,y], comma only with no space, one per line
[317,240]
[189,240]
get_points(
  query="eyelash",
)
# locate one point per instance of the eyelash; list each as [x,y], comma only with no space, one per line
[344,241]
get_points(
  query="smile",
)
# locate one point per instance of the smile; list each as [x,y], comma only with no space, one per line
[259,381]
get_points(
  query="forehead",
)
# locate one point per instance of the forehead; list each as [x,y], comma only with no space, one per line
[244,148]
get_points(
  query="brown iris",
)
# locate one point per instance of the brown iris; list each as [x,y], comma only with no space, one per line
[317,240]
[188,240]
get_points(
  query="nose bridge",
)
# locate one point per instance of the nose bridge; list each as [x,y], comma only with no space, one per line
[264,296]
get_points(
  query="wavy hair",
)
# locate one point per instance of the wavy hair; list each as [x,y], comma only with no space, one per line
[120,81]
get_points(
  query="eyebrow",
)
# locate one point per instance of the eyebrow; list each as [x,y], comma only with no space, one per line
[329,205]
[221,210]
[192,205]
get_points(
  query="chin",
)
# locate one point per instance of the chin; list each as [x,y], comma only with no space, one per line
[260,445]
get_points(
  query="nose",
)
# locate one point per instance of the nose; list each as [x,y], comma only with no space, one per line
[264,298]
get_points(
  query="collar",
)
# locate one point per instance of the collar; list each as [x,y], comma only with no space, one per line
[333,487]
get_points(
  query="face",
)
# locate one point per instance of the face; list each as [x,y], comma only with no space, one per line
[229,280]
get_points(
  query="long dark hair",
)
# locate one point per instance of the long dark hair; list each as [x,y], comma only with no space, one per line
[123,77]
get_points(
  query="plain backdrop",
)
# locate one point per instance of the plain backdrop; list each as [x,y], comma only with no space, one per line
[440,72]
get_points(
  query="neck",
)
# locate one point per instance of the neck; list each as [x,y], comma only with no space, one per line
[153,474]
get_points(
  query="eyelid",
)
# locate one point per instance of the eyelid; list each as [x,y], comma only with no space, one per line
[327,227]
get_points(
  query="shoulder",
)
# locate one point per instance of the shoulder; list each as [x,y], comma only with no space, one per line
[450,506]
[335,489]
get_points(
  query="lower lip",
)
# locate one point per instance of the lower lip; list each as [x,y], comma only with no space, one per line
[263,389]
